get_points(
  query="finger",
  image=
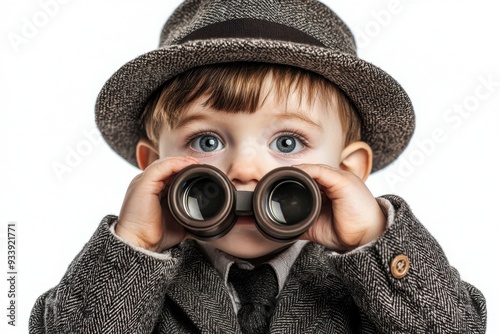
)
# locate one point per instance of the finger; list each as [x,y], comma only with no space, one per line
[161,170]
[330,179]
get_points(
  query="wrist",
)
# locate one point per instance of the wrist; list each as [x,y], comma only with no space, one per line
[377,228]
[131,238]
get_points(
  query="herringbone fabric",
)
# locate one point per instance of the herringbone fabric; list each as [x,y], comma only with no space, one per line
[112,288]
[257,290]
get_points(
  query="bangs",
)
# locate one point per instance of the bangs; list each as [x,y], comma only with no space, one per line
[236,88]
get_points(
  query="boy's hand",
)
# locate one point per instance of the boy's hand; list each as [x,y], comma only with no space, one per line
[142,220]
[357,218]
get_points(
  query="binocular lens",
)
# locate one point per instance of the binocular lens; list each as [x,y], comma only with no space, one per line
[289,202]
[203,198]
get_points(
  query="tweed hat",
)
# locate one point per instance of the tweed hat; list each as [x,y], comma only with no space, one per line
[301,33]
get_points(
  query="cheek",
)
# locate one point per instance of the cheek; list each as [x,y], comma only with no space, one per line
[328,153]
[170,148]
[332,146]
[172,143]
[165,148]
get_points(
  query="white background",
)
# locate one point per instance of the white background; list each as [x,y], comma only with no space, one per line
[442,52]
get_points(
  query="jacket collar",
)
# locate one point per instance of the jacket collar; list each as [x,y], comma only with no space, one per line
[310,289]
[312,296]
[200,293]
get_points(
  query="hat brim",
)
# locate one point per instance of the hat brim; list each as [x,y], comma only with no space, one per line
[386,111]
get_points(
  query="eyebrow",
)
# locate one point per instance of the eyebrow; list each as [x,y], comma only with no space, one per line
[183,121]
[288,115]
[296,115]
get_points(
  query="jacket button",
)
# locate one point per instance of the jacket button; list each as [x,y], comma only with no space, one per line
[400,266]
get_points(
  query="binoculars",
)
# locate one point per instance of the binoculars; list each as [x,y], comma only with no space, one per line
[284,204]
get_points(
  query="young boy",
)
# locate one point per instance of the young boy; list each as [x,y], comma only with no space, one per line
[248,87]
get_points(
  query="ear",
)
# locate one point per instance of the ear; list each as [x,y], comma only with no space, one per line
[357,159]
[145,153]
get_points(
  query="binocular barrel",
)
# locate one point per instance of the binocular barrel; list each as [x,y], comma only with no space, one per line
[285,203]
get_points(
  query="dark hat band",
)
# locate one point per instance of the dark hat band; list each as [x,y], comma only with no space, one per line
[252,28]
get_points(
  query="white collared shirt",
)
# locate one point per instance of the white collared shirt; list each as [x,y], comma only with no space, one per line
[223,262]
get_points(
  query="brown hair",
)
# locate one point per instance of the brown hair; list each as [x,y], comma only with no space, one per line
[237,87]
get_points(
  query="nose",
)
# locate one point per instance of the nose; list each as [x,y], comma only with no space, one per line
[245,168]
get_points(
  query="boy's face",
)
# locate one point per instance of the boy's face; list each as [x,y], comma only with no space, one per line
[246,146]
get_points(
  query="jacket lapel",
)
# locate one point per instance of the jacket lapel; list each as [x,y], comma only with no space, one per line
[313,299]
[200,293]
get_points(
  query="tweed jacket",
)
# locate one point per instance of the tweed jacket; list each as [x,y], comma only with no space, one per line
[112,288]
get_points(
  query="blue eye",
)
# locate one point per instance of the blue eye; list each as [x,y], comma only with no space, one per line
[286,144]
[206,143]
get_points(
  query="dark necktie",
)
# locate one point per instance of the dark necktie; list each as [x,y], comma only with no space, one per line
[257,290]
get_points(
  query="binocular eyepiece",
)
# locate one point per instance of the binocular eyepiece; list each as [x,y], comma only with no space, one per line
[285,203]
